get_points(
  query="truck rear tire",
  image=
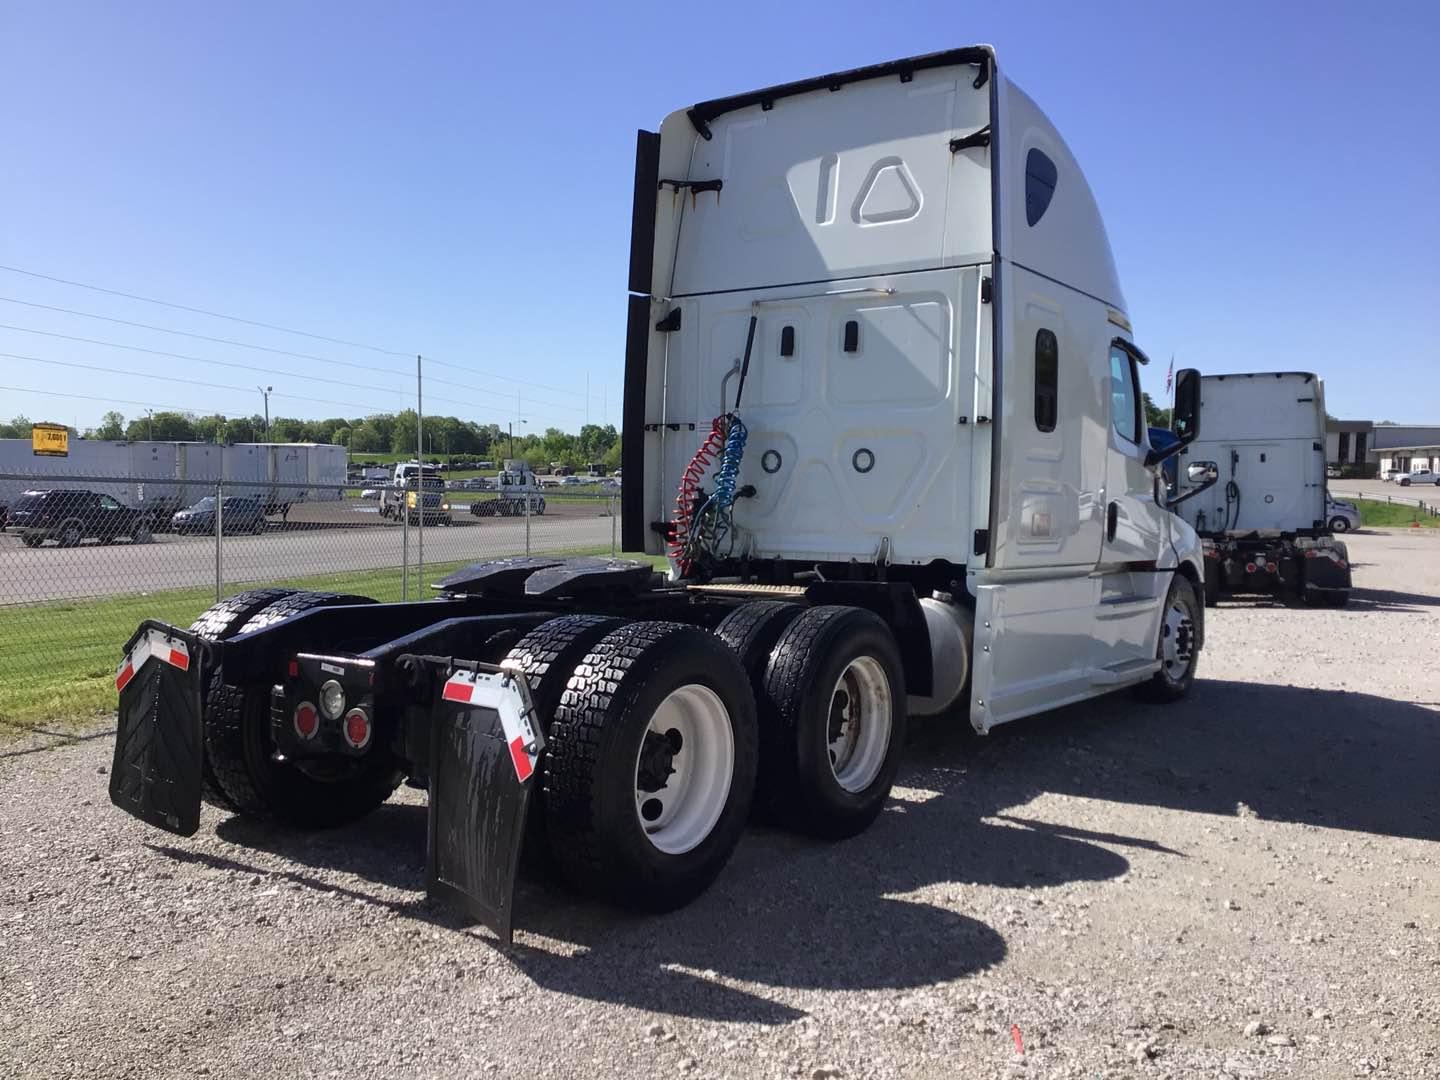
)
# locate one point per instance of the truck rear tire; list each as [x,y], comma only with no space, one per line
[240,751]
[220,622]
[832,721]
[547,657]
[652,759]
[752,630]
[1177,649]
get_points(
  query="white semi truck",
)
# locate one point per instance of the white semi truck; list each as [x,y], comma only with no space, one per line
[1255,489]
[516,485]
[882,413]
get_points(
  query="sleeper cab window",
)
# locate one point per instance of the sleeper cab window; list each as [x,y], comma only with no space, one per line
[1047,380]
[1124,396]
[1040,177]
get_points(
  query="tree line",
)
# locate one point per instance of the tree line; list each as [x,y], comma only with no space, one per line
[446,437]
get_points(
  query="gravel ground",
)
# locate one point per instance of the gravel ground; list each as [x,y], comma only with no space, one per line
[1247,884]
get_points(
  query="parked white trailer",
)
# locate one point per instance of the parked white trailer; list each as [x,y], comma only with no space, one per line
[283,474]
[1262,516]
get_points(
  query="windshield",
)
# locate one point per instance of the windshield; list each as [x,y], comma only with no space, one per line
[29,502]
[207,503]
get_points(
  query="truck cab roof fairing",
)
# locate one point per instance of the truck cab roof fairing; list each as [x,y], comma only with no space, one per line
[1067,243]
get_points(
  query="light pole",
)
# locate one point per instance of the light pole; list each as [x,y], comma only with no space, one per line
[150,424]
[512,438]
[265,393]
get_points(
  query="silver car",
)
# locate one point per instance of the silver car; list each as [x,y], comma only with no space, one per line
[1341,516]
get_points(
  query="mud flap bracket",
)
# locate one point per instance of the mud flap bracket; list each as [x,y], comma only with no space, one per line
[156,771]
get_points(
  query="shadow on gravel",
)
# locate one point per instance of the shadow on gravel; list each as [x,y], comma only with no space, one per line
[790,914]
[1315,757]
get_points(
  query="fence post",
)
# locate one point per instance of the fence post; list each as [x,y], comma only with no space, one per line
[405,542]
[528,497]
[613,549]
[219,537]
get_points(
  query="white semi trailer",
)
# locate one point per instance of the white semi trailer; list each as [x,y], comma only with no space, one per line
[883,415]
[1255,490]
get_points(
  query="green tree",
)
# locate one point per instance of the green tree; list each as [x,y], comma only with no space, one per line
[17,428]
[162,427]
[1155,416]
[112,426]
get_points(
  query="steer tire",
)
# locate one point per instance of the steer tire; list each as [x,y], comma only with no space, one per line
[593,809]
[826,658]
[221,622]
[239,748]
[1165,685]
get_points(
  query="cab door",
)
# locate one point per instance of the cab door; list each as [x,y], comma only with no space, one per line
[1132,591]
[1134,520]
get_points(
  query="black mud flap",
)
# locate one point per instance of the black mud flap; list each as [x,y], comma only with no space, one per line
[158,745]
[483,748]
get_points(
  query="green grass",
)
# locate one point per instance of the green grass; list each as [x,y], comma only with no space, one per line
[1383,515]
[57,660]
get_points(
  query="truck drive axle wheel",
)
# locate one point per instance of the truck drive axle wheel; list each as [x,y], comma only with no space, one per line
[240,751]
[651,766]
[832,721]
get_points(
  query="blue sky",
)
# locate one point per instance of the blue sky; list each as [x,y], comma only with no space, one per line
[455,179]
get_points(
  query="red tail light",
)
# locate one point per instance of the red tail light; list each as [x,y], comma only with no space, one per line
[306,720]
[1251,568]
[357,729]
[1272,567]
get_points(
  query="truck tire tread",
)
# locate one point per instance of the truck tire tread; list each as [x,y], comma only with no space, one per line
[220,622]
[793,786]
[603,853]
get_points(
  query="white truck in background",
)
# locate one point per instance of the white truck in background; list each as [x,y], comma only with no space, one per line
[416,495]
[515,485]
[1254,489]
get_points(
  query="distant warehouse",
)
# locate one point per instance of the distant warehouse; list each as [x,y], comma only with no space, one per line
[1364,448]
[138,473]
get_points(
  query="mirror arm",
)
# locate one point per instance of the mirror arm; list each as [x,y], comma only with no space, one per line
[1172,503]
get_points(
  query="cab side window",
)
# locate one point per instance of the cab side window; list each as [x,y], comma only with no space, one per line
[1047,380]
[1124,396]
[107,503]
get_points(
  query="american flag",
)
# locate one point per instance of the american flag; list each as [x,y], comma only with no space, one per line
[1170,374]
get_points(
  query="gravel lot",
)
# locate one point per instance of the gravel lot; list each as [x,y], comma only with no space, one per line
[1244,885]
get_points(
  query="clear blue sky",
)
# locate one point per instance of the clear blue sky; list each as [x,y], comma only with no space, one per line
[455,179]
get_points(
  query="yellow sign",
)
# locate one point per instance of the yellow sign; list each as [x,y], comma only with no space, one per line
[50,440]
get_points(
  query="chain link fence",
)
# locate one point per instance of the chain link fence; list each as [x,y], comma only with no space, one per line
[84,558]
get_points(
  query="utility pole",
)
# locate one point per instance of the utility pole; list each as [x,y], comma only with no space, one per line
[265,393]
[420,473]
[587,398]
[150,424]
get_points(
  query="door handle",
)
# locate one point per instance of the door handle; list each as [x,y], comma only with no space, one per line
[1112,518]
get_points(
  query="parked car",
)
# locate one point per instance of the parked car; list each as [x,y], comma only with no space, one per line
[69,516]
[1341,516]
[370,493]
[1418,477]
[568,481]
[239,514]
[1332,472]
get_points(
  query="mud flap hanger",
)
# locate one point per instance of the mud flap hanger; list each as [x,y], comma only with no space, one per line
[155,774]
[484,746]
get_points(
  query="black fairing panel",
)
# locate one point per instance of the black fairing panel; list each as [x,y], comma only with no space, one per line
[477,817]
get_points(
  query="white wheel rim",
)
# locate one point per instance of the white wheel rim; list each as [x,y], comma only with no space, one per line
[690,736]
[859,723]
[1177,640]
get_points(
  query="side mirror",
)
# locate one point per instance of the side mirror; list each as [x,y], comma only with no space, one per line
[1202,472]
[1186,418]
